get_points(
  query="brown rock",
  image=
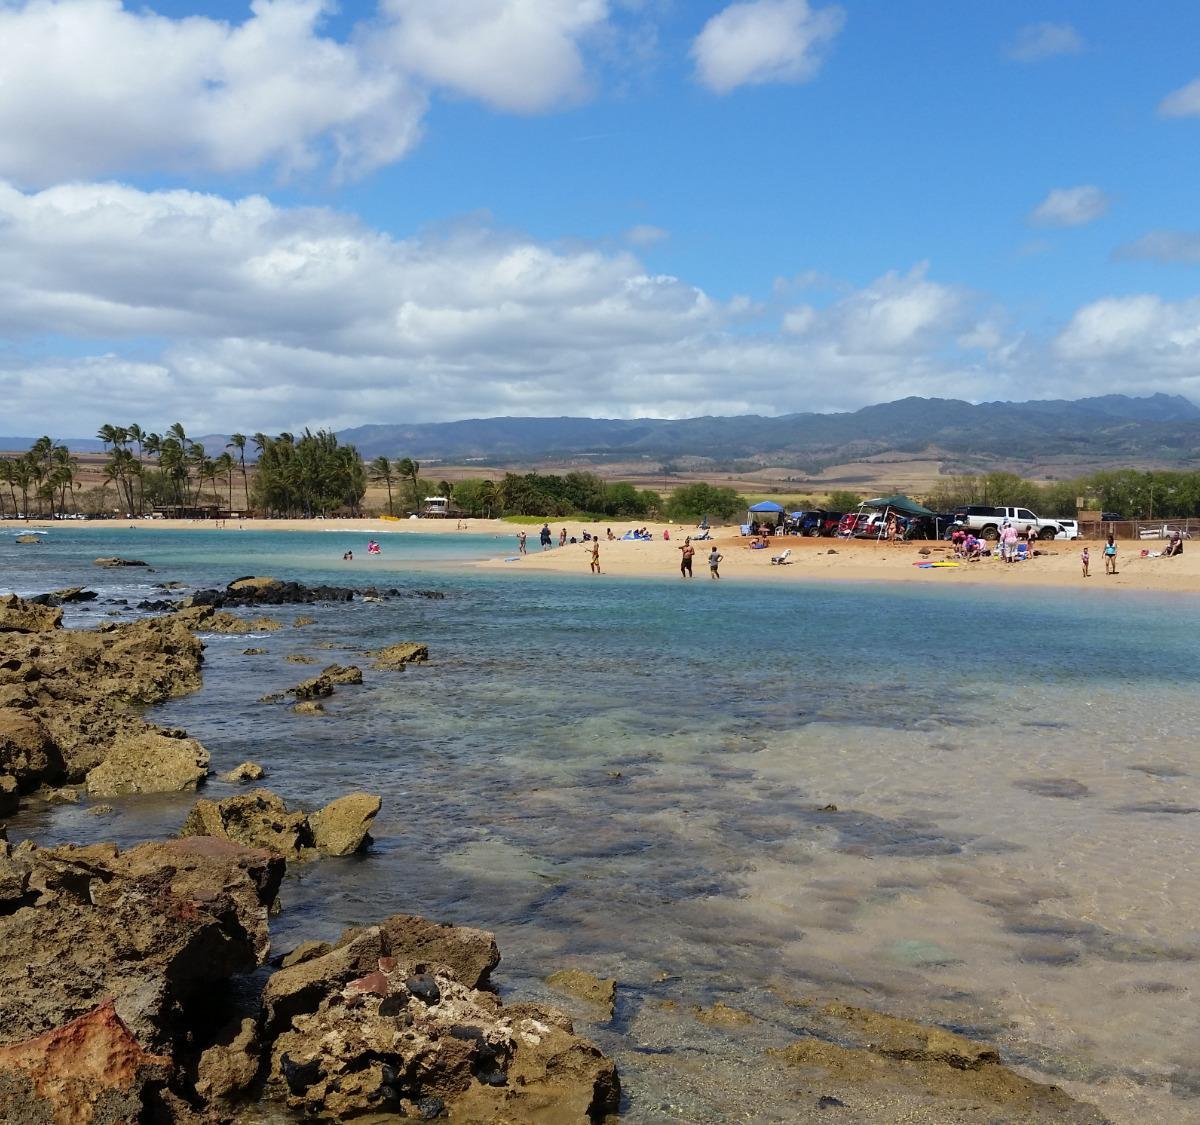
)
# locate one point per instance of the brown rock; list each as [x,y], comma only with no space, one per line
[228,1068]
[395,657]
[247,771]
[27,751]
[265,625]
[305,951]
[319,687]
[309,707]
[469,954]
[337,674]
[721,1015]
[254,652]
[300,658]
[258,819]
[28,538]
[303,620]
[154,928]
[150,762]
[64,796]
[14,877]
[113,561]
[252,583]
[91,1070]
[600,991]
[343,826]
[10,799]
[20,616]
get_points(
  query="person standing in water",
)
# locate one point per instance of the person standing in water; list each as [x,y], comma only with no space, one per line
[714,561]
[1110,556]
[522,549]
[685,561]
[545,537]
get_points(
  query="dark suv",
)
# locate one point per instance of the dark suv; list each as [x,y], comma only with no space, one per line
[818,521]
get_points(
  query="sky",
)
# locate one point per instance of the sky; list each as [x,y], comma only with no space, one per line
[292,213]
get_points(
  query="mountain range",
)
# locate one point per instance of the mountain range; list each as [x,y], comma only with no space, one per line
[1159,429]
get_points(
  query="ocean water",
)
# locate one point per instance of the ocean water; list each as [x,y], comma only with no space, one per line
[974,807]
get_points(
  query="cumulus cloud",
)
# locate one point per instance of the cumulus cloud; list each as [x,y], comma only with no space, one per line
[1036,42]
[1071,207]
[1184,102]
[761,41]
[1166,246]
[92,87]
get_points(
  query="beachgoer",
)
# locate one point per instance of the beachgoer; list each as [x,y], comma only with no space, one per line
[1110,556]
[521,546]
[373,547]
[666,533]
[714,561]
[348,556]
[545,536]
[595,553]
[685,561]
[1085,559]
[611,536]
[1174,544]
[1008,543]
[562,537]
[1030,538]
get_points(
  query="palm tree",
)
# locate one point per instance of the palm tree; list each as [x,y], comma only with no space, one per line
[409,470]
[138,436]
[238,442]
[380,471]
[224,467]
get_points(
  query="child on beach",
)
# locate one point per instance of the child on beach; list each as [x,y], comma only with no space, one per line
[1085,560]
[1110,556]
[714,561]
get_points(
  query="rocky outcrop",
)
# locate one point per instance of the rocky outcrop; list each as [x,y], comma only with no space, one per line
[247,771]
[20,616]
[150,762]
[205,619]
[600,991]
[319,687]
[154,928]
[395,657]
[261,819]
[369,1028]
[28,538]
[67,699]
[90,1070]
[265,591]
[863,1055]
[113,562]
[68,596]
[337,674]
[343,827]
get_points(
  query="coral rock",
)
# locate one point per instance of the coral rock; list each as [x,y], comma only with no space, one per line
[395,657]
[343,826]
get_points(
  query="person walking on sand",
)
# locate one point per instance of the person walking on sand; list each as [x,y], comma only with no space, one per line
[1110,556]
[1085,559]
[714,561]
[685,561]
[522,549]
[594,550]
[545,536]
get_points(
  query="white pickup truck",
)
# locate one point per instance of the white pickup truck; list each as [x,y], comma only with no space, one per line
[987,521]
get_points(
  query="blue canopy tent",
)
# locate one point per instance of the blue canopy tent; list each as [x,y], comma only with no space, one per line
[766,511]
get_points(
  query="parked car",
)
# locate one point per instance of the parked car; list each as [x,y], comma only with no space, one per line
[818,521]
[1111,517]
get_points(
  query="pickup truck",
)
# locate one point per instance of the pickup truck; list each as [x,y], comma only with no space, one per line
[987,522]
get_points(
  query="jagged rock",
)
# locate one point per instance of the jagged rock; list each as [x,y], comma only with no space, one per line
[27,539]
[337,674]
[150,762]
[63,796]
[309,707]
[27,752]
[247,771]
[252,583]
[258,819]
[20,616]
[361,1032]
[300,658]
[66,596]
[100,810]
[14,878]
[722,1015]
[154,928]
[10,799]
[600,991]
[228,1068]
[89,1070]
[343,826]
[270,592]
[264,625]
[254,652]
[272,697]
[113,561]
[305,951]
[319,687]
[303,620]
[895,1057]
[395,657]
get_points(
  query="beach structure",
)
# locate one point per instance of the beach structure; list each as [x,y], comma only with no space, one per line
[764,512]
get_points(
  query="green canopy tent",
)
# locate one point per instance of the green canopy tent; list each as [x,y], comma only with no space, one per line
[898,503]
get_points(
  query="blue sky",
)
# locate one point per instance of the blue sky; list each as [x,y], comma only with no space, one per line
[288,215]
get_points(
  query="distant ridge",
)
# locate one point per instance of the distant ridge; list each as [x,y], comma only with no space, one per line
[1119,428]
[1159,426]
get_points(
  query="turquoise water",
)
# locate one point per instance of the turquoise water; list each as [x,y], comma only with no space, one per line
[633,777]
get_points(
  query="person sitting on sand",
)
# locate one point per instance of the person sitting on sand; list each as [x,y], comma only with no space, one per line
[1174,544]
[1110,556]
[972,548]
[611,536]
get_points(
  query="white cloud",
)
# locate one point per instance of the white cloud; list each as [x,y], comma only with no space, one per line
[645,235]
[1071,207]
[1184,102]
[520,55]
[92,87]
[1166,246]
[760,41]
[283,317]
[1038,41]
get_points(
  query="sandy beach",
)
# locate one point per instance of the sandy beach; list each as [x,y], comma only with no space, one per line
[811,560]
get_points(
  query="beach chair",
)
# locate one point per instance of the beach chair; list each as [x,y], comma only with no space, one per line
[781,559]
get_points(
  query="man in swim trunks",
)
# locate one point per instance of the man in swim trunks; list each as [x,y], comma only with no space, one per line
[714,561]
[685,561]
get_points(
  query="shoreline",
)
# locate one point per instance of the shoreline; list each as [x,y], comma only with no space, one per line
[810,560]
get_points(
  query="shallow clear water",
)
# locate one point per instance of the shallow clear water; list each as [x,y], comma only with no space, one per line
[632,777]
